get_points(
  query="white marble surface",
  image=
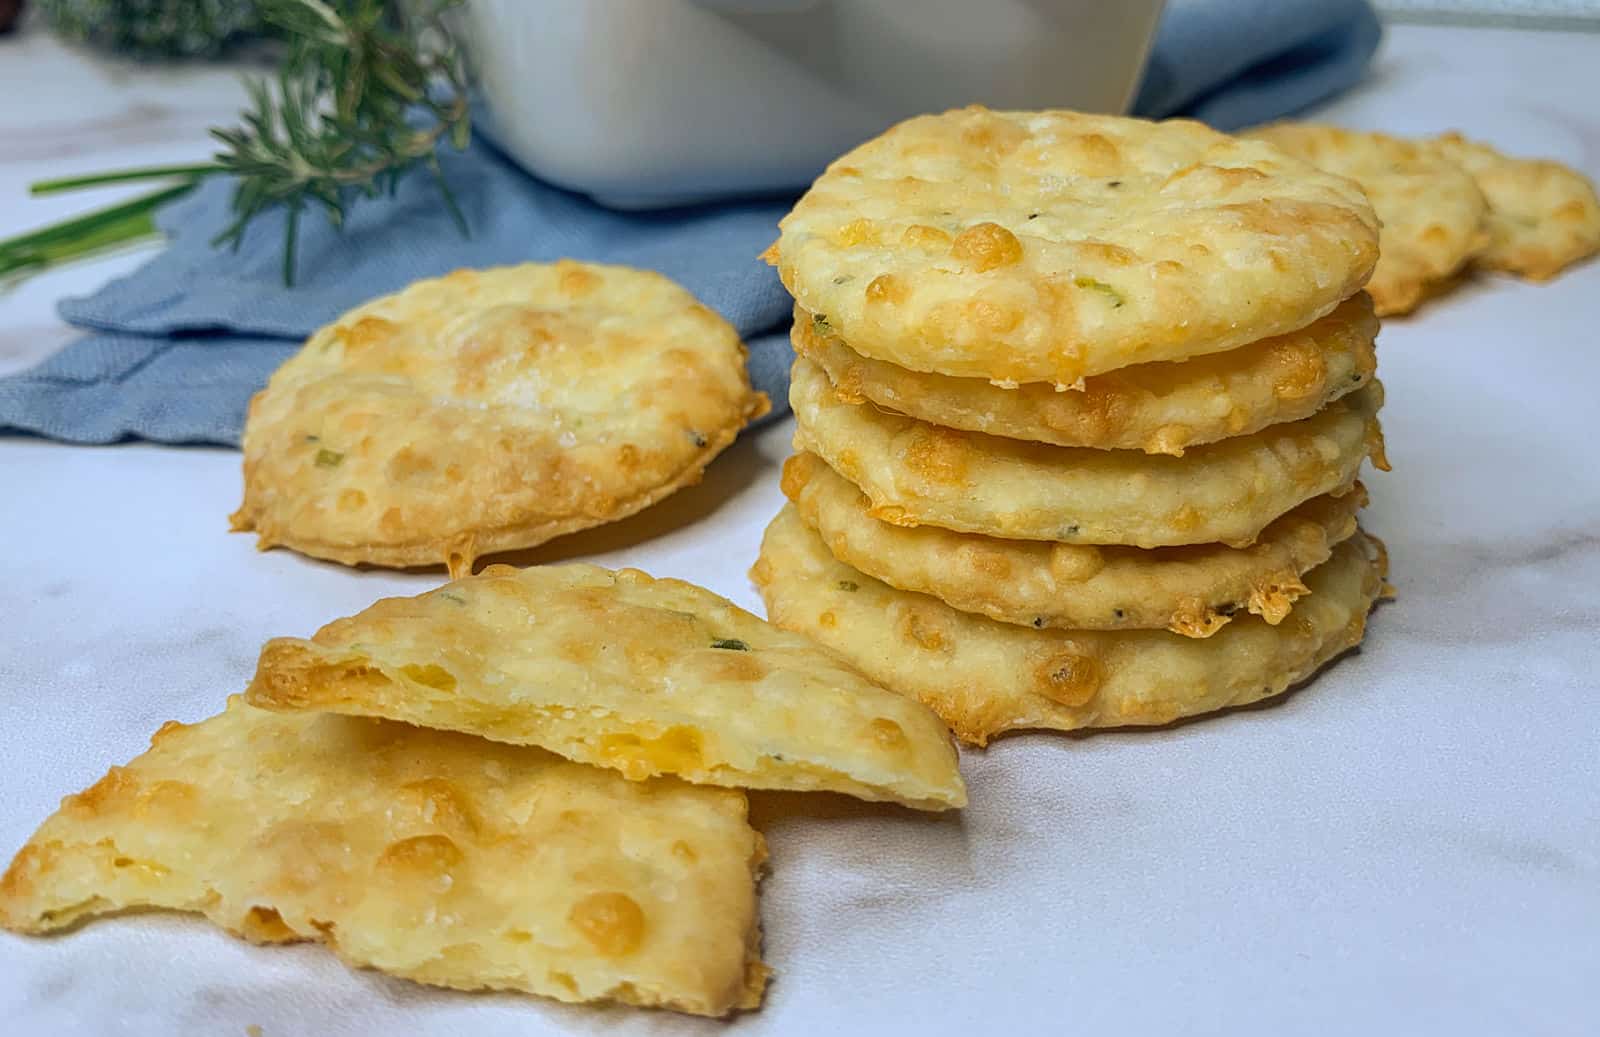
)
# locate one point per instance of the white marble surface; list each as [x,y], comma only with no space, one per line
[1411,844]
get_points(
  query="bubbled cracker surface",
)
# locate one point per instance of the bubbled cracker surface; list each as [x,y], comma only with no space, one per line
[915,473]
[1193,591]
[1046,246]
[489,410]
[1160,408]
[1431,210]
[985,677]
[433,856]
[1543,216]
[620,670]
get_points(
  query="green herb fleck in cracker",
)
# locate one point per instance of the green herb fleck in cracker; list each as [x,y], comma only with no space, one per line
[1093,285]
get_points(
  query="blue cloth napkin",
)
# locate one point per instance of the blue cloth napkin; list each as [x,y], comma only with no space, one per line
[177,348]
[1235,63]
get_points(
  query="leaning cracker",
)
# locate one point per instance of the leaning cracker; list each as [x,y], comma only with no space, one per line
[1047,246]
[1191,591]
[921,474]
[437,857]
[986,677]
[1543,216]
[1160,408]
[1431,210]
[620,670]
[491,410]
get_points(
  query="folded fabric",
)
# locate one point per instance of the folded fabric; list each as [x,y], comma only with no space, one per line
[1235,63]
[179,346]
[160,325]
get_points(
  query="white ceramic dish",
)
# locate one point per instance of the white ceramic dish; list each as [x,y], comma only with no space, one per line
[646,103]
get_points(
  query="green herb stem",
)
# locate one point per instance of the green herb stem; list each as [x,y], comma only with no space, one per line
[89,234]
[122,176]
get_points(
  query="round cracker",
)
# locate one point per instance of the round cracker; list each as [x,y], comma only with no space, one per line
[985,677]
[1047,246]
[1430,209]
[1160,408]
[1542,217]
[1193,591]
[489,410]
[921,474]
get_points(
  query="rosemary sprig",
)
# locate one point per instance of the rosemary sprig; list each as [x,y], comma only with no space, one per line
[366,92]
[73,183]
[338,125]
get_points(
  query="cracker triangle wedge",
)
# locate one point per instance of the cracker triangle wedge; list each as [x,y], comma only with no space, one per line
[437,857]
[620,670]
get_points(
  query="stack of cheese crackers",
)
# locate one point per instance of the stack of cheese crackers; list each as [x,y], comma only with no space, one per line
[525,780]
[1081,404]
